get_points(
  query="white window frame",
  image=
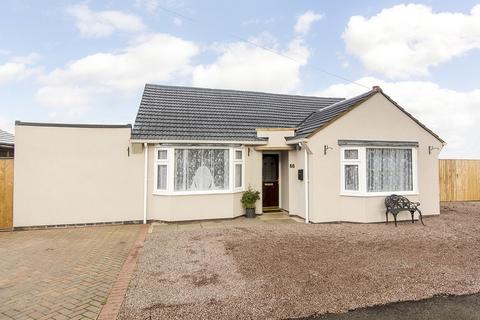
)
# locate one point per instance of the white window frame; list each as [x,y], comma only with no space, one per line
[239,162]
[171,171]
[163,162]
[362,167]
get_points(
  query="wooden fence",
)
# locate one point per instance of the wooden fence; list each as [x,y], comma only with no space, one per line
[6,193]
[459,180]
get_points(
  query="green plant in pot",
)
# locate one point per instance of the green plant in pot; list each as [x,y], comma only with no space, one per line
[249,198]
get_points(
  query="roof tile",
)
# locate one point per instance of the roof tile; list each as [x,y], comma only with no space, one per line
[185,113]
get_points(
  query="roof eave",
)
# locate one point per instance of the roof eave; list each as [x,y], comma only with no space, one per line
[173,141]
[295,141]
[73,125]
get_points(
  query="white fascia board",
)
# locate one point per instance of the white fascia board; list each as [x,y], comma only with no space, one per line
[220,142]
[296,141]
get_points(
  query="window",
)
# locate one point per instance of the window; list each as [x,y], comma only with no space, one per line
[238,155]
[389,170]
[161,163]
[351,154]
[186,170]
[351,177]
[162,154]
[350,170]
[238,162]
[378,171]
[201,169]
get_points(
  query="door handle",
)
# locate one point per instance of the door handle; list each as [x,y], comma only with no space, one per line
[268,184]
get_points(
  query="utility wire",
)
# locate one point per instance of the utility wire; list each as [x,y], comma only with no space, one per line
[264,47]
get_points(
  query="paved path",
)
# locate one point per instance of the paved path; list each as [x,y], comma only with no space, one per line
[61,273]
[266,218]
[438,308]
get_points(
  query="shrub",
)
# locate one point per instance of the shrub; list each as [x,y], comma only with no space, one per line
[250,197]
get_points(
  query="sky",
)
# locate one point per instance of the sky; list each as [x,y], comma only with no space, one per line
[88,61]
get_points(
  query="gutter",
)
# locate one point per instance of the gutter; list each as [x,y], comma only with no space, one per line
[145,183]
[72,125]
[296,141]
[219,142]
[307,182]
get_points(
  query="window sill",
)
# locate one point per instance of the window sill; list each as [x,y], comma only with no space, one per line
[379,194]
[195,193]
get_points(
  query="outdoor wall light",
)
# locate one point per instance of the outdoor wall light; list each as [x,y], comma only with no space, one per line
[325,148]
[431,148]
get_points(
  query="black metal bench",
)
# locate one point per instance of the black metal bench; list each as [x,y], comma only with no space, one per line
[396,203]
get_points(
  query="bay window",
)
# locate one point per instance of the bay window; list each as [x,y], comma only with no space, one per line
[193,170]
[378,171]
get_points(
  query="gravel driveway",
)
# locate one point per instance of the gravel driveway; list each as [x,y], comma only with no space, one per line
[275,271]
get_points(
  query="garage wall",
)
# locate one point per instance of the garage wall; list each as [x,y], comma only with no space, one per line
[75,174]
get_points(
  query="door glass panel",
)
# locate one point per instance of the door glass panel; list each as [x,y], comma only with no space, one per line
[270,168]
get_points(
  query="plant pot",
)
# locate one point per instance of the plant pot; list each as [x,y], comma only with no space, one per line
[250,212]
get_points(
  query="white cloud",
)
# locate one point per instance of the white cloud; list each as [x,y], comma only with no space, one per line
[104,23]
[30,58]
[453,115]
[68,97]
[11,71]
[406,40]
[18,68]
[305,21]
[248,66]
[152,58]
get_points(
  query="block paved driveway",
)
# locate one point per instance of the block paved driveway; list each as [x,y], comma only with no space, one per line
[61,273]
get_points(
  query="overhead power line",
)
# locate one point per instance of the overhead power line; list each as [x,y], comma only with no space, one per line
[271,50]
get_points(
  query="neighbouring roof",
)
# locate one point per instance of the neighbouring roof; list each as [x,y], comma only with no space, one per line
[185,113]
[6,138]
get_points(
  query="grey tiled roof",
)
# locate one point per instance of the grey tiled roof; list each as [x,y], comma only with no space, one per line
[185,113]
[6,138]
[322,117]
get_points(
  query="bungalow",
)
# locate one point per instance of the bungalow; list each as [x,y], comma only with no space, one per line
[192,152]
